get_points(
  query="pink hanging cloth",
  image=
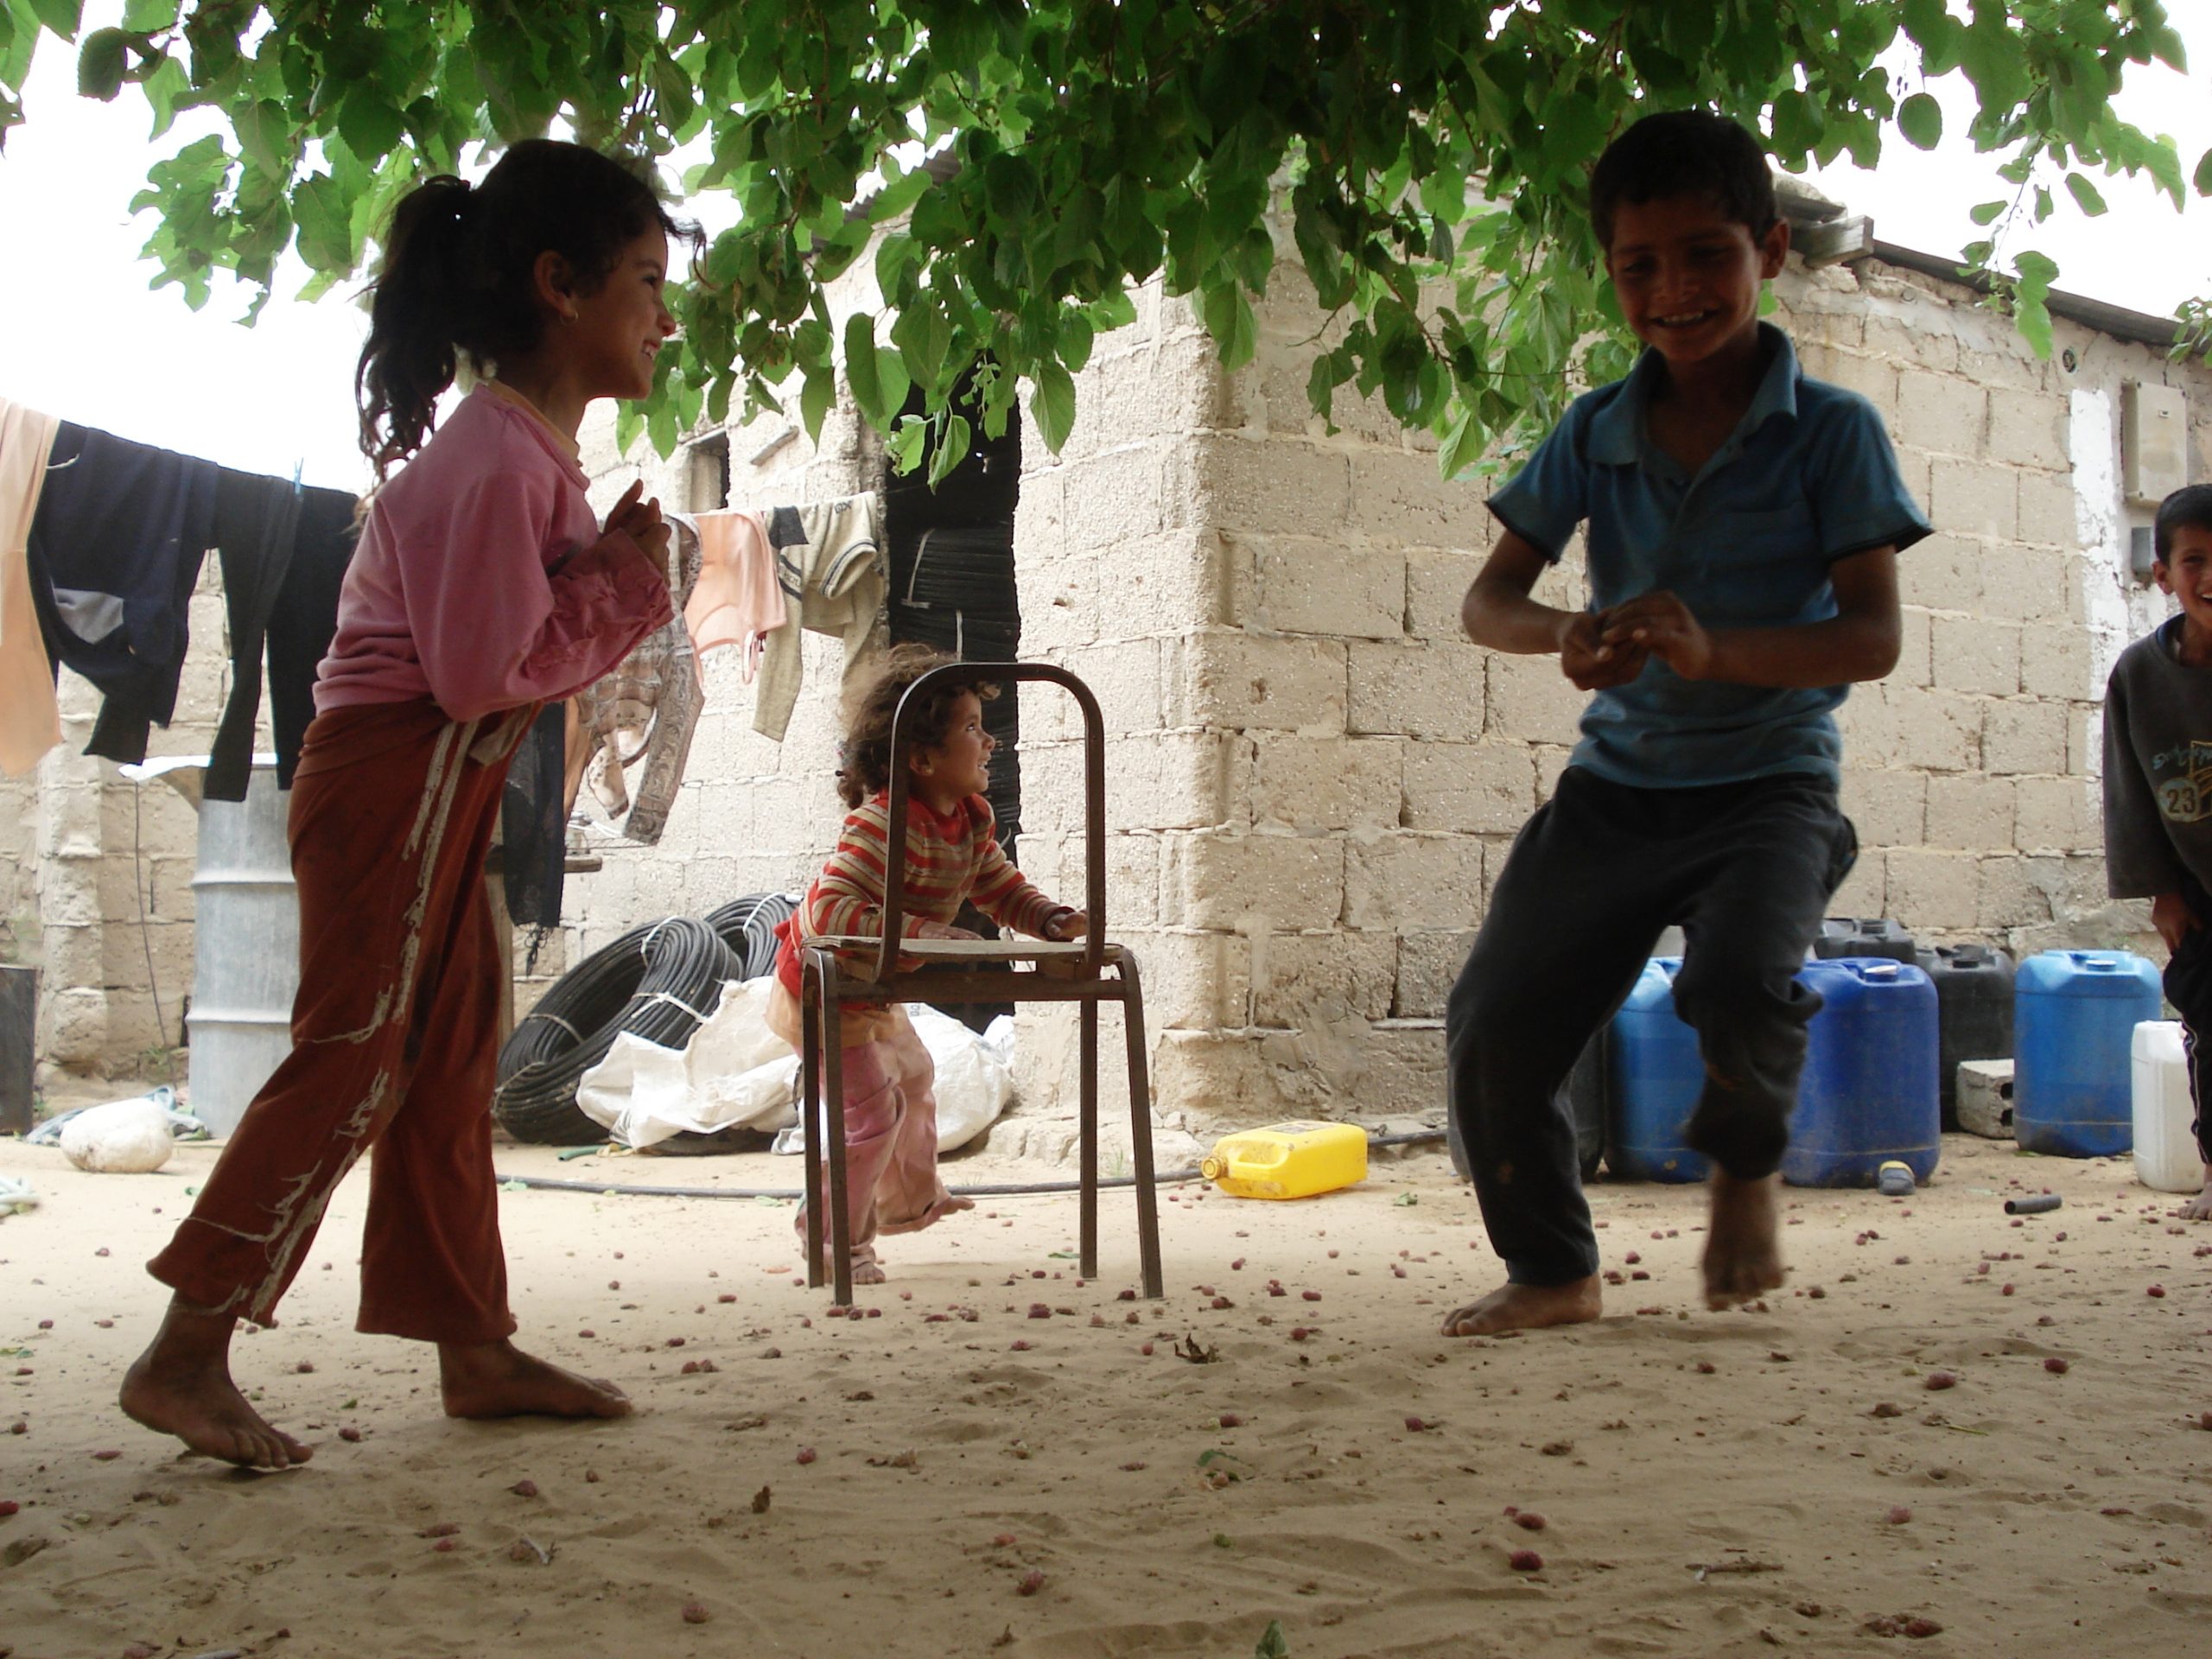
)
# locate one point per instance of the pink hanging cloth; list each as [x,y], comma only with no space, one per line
[736,601]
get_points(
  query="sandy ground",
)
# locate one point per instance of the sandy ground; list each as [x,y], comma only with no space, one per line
[1709,1484]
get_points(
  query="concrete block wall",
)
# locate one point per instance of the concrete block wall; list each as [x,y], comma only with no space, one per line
[1315,777]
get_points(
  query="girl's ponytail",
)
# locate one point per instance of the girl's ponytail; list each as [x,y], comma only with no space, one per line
[408,360]
[458,275]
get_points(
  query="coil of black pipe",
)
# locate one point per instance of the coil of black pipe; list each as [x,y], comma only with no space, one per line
[657,981]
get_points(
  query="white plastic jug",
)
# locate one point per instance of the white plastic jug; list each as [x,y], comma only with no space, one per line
[2166,1150]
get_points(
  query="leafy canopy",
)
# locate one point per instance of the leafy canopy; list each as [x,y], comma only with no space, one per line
[1431,159]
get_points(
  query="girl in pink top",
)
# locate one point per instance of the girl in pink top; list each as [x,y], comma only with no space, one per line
[482,588]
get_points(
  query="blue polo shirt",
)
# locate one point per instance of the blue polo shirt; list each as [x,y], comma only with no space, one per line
[1807,477]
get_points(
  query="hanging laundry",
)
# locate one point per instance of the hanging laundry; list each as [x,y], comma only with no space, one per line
[30,720]
[115,549]
[647,708]
[738,601]
[256,520]
[533,847]
[831,566]
[305,619]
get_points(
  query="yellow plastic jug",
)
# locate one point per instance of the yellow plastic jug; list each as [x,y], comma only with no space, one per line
[1287,1160]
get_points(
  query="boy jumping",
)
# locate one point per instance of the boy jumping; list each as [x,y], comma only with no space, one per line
[2159,783]
[1742,523]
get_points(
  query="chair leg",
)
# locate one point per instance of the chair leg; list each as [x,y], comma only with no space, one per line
[1141,1127]
[809,1117]
[833,1094]
[1087,1241]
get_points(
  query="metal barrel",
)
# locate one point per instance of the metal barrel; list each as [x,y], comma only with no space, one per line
[245,951]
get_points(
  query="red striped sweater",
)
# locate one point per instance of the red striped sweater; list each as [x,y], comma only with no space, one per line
[949,858]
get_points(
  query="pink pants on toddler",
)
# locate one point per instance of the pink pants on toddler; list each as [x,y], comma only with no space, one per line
[891,1178]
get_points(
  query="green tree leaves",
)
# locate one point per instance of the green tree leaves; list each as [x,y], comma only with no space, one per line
[1424,167]
[1920,117]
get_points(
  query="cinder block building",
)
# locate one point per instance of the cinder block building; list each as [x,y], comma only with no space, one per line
[1313,776]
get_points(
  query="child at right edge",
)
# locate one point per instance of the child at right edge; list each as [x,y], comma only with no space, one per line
[2159,783]
[1741,522]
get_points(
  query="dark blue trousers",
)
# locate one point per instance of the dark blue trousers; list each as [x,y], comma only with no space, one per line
[1601,869]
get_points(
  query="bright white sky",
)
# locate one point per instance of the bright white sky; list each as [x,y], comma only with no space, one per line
[86,341]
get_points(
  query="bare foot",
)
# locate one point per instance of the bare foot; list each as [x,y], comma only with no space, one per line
[1743,1252]
[181,1386]
[869,1272]
[2200,1207]
[497,1379]
[945,1204]
[1527,1308]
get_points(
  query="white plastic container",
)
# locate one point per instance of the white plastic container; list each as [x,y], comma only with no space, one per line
[2165,1148]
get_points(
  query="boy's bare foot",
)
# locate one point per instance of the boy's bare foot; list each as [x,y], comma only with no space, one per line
[868,1272]
[1743,1254]
[181,1386]
[2200,1207]
[497,1379]
[1527,1308]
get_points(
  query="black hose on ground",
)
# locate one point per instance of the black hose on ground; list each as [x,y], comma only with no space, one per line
[747,926]
[993,1190]
[658,981]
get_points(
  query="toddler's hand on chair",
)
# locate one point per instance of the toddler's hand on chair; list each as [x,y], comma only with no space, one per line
[1073,925]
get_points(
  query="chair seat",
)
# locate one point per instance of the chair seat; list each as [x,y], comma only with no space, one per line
[958,950]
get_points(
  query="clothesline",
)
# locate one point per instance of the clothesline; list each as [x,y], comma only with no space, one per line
[101,544]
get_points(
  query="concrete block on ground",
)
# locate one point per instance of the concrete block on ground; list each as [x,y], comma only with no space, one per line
[1985,1097]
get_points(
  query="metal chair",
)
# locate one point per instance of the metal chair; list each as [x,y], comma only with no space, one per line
[1087,972]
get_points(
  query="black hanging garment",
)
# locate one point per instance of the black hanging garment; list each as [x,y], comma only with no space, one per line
[534,821]
[256,521]
[305,619]
[114,552]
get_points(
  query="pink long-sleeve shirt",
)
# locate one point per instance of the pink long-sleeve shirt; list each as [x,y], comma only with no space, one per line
[461,588]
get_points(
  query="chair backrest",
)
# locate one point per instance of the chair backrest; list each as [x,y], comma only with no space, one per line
[1094,793]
